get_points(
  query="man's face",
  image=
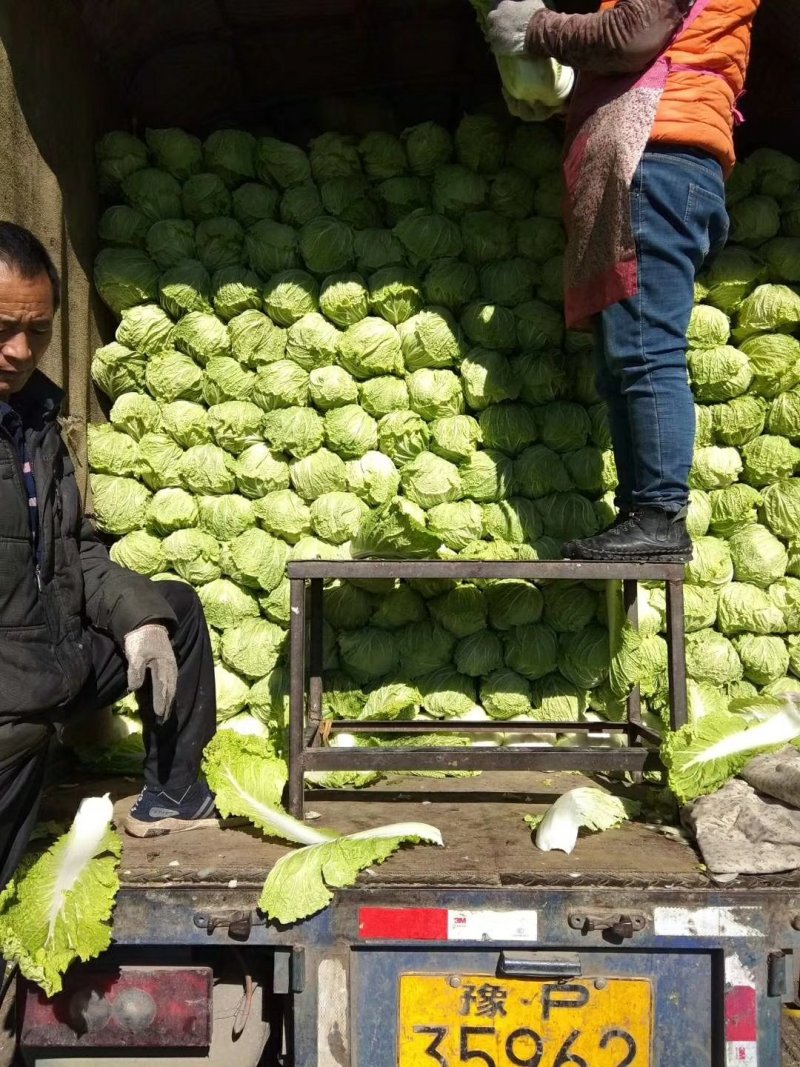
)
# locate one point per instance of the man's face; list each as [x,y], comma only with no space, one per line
[26,327]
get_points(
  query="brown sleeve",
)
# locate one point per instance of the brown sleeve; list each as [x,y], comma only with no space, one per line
[621,40]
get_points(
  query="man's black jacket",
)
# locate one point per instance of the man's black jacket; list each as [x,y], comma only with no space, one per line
[45,610]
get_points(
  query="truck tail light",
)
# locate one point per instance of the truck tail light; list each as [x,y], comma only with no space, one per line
[129,1007]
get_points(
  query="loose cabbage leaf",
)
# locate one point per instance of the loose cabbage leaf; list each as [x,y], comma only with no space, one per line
[57,907]
[248,781]
[702,756]
[583,808]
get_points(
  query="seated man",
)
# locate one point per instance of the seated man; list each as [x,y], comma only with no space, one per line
[78,631]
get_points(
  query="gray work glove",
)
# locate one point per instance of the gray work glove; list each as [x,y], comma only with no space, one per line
[149,649]
[507,25]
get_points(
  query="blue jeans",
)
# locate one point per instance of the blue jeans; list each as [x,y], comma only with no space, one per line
[679,222]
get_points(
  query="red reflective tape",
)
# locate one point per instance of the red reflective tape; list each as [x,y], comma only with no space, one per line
[402,924]
[741,1014]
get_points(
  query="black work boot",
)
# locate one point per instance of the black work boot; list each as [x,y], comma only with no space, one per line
[647,535]
[569,548]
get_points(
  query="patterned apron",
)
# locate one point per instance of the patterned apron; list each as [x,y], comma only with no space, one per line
[610,125]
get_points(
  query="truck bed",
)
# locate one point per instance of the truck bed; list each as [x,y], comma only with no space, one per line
[487,845]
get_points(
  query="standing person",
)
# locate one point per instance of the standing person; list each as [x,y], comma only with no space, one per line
[78,631]
[649,144]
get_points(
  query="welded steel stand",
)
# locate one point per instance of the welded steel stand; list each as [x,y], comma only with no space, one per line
[307,750]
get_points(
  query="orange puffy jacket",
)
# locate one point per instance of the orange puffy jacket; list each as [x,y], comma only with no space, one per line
[697,108]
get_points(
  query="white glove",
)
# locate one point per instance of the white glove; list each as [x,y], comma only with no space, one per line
[507,25]
[149,649]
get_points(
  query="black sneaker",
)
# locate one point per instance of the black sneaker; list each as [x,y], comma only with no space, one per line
[646,535]
[156,813]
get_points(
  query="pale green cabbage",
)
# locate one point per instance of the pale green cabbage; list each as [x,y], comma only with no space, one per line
[337,517]
[204,196]
[253,647]
[769,459]
[289,296]
[125,277]
[119,154]
[295,430]
[112,452]
[234,290]
[281,385]
[344,299]
[254,559]
[171,509]
[708,327]
[396,529]
[757,555]
[226,604]
[332,387]
[283,513]
[505,694]
[370,347]
[159,459]
[225,517]
[746,608]
[350,432]
[378,396]
[429,480]
[321,472]
[141,552]
[194,555]
[402,435]
[488,378]
[207,469]
[119,503]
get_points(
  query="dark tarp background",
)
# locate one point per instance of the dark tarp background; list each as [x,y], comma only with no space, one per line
[53,105]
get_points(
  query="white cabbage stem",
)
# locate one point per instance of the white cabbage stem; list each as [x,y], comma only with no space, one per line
[84,838]
[778,729]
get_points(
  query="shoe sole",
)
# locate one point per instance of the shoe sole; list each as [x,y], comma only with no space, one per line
[138,828]
[624,557]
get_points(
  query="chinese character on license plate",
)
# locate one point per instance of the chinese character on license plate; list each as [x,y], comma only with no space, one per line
[446,1020]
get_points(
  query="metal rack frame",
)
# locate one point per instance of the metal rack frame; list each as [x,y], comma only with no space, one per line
[307,748]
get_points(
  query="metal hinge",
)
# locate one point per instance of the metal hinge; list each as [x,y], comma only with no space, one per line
[238,923]
[289,970]
[780,975]
[616,925]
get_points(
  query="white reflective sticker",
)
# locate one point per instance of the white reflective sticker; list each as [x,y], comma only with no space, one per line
[492,925]
[741,1054]
[736,973]
[333,1044]
[707,922]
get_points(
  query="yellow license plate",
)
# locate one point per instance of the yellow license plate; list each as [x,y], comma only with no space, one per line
[450,1019]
